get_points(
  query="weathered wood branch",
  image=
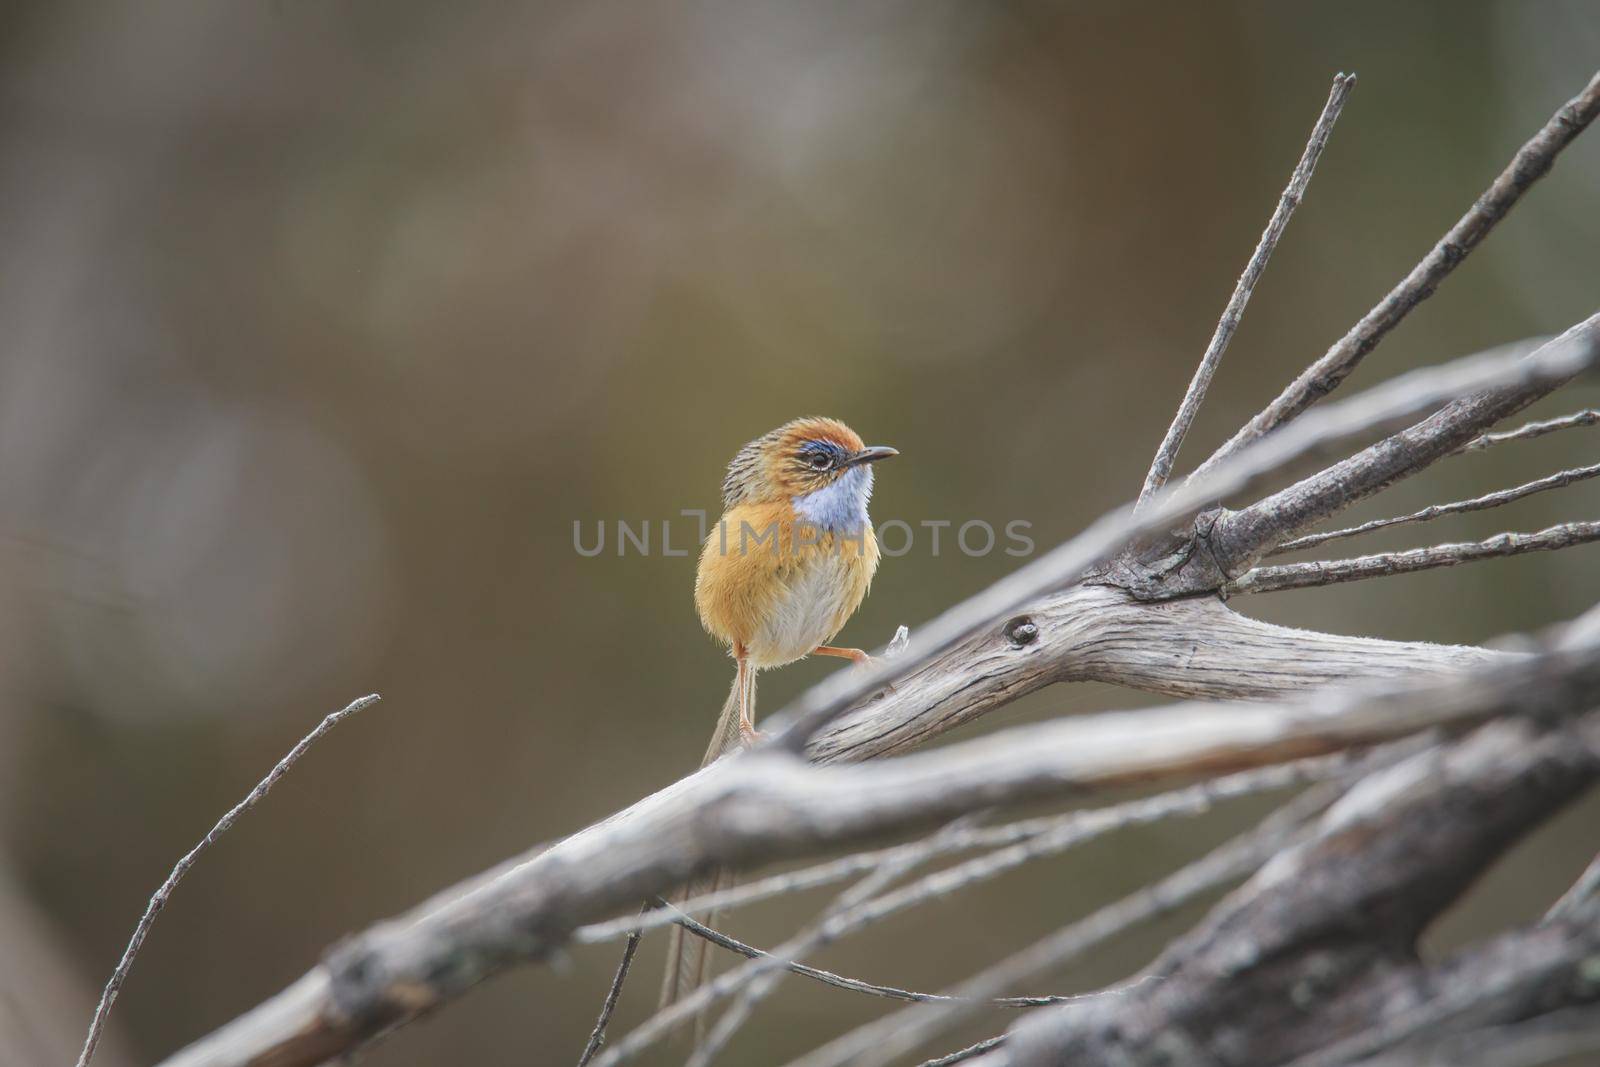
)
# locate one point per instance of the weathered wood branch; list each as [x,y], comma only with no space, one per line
[1316,956]
[1012,843]
[1188,648]
[765,805]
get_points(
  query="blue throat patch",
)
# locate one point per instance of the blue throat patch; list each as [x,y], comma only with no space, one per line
[840,507]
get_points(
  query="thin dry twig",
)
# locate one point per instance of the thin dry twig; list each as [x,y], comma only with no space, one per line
[961,1055]
[1167,453]
[1032,838]
[1529,431]
[1070,833]
[1530,163]
[763,973]
[697,1001]
[159,898]
[880,1041]
[856,985]
[1383,564]
[597,1036]
[1558,480]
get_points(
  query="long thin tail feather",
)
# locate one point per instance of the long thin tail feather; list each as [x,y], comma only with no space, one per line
[688,957]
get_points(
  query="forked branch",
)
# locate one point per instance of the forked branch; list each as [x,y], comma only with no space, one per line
[1386,564]
[1530,164]
[1239,538]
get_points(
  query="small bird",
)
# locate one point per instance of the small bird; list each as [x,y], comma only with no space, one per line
[780,574]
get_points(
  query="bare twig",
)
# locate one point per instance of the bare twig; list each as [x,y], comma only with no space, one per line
[763,974]
[1530,163]
[881,1041]
[856,985]
[698,1000]
[1014,843]
[1528,432]
[597,1036]
[1070,833]
[159,898]
[1481,503]
[1383,564]
[961,1055]
[1167,454]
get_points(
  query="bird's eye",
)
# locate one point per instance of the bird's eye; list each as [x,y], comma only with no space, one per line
[820,461]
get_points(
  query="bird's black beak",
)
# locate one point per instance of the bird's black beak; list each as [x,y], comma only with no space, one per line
[871,454]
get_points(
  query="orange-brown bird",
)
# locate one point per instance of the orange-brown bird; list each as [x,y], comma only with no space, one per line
[780,574]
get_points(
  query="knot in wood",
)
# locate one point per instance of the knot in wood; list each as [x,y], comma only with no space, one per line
[1022,631]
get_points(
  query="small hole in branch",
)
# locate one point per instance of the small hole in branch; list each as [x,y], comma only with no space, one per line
[1021,632]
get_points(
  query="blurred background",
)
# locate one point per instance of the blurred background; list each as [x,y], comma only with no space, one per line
[324,322]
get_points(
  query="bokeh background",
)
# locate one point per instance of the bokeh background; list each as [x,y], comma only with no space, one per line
[324,322]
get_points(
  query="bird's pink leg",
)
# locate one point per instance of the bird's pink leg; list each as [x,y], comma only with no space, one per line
[747,725]
[860,658]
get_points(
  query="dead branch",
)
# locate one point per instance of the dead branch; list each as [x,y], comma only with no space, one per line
[1236,540]
[1528,432]
[1167,453]
[1011,845]
[970,1054]
[764,805]
[755,980]
[880,1042]
[855,985]
[597,1036]
[1532,161]
[159,898]
[1385,564]
[1395,854]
